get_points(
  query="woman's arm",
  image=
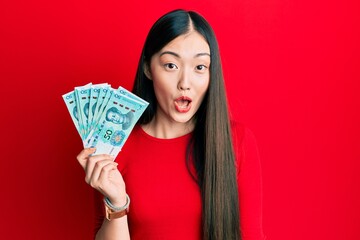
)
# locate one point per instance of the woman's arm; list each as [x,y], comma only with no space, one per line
[249,183]
[102,174]
[114,229]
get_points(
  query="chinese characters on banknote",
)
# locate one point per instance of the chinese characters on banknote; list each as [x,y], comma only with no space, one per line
[103,116]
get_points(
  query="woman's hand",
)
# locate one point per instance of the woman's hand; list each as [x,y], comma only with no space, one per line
[102,174]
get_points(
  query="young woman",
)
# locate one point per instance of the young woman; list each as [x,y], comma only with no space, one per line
[190,172]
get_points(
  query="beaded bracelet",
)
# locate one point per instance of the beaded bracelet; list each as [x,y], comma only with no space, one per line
[114,208]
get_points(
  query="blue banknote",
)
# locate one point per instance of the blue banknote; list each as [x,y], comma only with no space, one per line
[82,95]
[103,116]
[70,101]
[116,123]
[94,99]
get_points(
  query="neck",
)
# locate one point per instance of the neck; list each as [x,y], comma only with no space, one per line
[167,130]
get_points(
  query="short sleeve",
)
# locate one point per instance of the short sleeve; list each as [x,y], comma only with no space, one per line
[249,183]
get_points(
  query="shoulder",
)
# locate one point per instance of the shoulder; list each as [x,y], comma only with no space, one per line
[249,180]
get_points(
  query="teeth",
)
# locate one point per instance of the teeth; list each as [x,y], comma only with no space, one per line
[183,103]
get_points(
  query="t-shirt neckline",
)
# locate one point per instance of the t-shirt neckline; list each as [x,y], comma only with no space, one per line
[164,140]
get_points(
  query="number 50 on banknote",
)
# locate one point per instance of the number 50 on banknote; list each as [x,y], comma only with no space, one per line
[104,117]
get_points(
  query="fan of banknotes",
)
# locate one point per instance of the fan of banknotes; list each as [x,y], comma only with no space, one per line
[103,116]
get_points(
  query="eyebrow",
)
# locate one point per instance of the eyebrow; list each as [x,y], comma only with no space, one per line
[178,56]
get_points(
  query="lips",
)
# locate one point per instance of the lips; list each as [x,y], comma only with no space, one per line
[183,104]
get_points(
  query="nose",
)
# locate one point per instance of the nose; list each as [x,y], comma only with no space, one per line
[184,81]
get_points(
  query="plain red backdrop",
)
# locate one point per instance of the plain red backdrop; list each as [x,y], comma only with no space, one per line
[292,71]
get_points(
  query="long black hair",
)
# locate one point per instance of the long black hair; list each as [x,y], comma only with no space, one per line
[210,149]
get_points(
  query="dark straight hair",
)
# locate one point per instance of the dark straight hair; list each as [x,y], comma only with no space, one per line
[210,150]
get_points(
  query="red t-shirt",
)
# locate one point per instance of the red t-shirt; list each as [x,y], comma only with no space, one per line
[166,201]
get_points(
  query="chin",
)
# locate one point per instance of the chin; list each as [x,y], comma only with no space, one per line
[183,119]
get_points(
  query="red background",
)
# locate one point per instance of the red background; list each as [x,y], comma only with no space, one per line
[292,74]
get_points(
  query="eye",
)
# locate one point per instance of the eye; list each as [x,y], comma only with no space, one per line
[201,68]
[170,66]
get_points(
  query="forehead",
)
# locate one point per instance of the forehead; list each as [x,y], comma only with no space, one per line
[191,43]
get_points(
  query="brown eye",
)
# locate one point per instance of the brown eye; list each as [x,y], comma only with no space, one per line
[201,67]
[170,66]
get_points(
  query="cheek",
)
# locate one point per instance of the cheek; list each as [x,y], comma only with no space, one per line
[160,88]
[202,85]
[164,83]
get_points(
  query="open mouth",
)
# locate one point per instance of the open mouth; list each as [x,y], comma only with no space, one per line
[183,104]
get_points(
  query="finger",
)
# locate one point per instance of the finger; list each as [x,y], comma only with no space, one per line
[84,155]
[111,175]
[90,164]
[99,167]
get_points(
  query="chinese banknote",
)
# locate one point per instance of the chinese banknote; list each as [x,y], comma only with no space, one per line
[103,116]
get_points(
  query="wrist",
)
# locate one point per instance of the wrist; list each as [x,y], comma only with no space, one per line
[117,208]
[120,201]
[113,212]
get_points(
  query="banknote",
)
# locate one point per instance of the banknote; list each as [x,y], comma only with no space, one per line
[116,123]
[82,95]
[104,97]
[131,95]
[70,101]
[104,117]
[94,95]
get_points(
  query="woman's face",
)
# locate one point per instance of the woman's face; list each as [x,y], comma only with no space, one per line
[180,75]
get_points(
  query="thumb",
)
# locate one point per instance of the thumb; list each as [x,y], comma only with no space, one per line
[84,156]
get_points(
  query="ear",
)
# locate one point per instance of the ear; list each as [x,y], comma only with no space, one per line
[147,71]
